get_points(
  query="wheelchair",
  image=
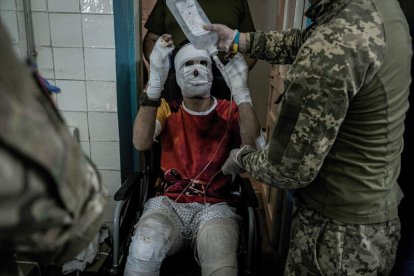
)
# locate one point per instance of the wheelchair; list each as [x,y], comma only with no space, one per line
[134,192]
[140,186]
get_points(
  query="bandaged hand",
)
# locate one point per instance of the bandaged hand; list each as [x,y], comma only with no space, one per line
[159,65]
[235,73]
[232,165]
[225,34]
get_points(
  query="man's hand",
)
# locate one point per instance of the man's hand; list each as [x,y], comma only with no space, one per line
[235,73]
[159,66]
[225,34]
[232,165]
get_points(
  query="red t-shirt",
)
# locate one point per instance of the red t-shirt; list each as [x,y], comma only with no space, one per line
[196,145]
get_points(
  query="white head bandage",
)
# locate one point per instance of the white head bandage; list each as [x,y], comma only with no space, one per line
[194,80]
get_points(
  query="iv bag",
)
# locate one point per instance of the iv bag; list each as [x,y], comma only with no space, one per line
[191,18]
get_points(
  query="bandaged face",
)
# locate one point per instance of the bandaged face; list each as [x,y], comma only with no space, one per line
[193,72]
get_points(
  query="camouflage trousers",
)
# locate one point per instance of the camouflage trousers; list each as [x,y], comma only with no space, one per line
[322,246]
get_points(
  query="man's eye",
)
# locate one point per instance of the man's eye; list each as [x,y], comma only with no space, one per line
[188,63]
[203,62]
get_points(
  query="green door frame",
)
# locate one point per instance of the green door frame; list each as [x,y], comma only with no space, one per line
[126,81]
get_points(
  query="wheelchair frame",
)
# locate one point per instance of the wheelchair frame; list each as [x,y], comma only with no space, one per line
[140,186]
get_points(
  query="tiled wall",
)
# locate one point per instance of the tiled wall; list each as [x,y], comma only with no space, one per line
[76,52]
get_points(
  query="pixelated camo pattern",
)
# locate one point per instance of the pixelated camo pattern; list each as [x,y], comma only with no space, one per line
[51,196]
[322,246]
[330,62]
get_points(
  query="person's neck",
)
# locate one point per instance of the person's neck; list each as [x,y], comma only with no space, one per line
[198,104]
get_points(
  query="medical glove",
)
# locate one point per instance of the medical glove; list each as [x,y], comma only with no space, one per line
[235,73]
[232,164]
[159,66]
[225,34]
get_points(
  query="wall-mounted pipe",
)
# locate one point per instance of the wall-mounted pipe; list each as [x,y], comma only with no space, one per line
[28,21]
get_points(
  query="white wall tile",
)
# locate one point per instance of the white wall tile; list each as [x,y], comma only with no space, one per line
[100,64]
[66,30]
[111,180]
[73,95]
[79,120]
[63,5]
[41,28]
[98,31]
[86,148]
[19,5]
[106,155]
[9,20]
[103,126]
[65,62]
[7,5]
[22,29]
[94,6]
[69,63]
[36,5]
[101,96]
[45,62]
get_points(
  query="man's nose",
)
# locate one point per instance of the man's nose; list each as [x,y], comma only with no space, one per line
[196,73]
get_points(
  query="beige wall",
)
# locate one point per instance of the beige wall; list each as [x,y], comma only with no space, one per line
[264,17]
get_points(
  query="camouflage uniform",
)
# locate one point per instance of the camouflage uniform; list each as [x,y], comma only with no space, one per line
[338,135]
[52,199]
[325,246]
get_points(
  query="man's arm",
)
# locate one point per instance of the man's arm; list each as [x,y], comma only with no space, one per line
[235,73]
[249,125]
[318,91]
[277,47]
[144,125]
[144,128]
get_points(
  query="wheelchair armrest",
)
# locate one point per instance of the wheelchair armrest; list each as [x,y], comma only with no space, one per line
[248,193]
[127,187]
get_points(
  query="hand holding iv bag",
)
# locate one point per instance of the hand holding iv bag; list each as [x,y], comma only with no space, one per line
[191,18]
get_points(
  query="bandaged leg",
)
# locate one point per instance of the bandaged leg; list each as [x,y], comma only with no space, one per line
[217,242]
[156,235]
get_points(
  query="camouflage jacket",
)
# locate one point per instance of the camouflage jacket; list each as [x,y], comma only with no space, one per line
[52,199]
[338,135]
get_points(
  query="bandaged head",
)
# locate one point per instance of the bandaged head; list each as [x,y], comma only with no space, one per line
[193,72]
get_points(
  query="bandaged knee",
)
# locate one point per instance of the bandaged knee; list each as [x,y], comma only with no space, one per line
[217,243]
[155,235]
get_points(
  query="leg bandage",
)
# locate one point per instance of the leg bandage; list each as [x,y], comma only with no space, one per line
[155,236]
[217,242]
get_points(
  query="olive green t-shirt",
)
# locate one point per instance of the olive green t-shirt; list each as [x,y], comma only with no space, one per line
[232,13]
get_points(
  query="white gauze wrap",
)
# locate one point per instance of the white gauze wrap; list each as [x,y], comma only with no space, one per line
[191,85]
